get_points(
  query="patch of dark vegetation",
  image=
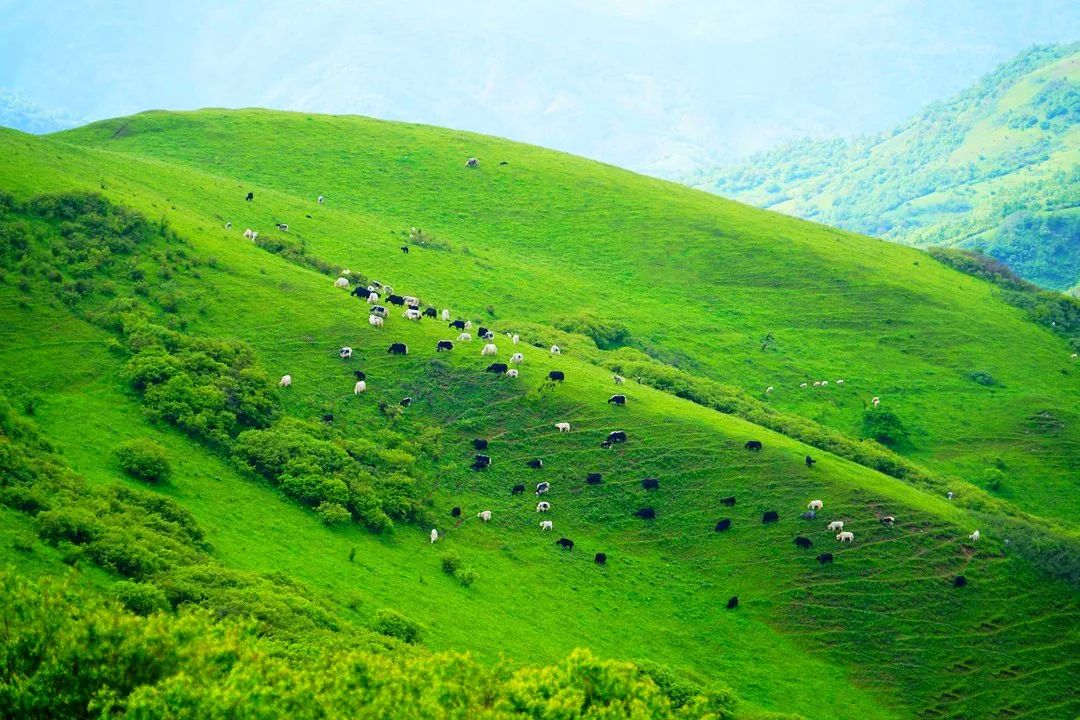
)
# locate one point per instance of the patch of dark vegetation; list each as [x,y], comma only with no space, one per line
[295,252]
[419,238]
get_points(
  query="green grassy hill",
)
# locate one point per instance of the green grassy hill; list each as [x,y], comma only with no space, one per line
[707,302]
[993,169]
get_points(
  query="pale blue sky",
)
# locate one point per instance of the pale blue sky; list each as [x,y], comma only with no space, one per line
[655,86]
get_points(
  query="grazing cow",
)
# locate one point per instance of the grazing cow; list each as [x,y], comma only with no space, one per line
[619,379]
[517,358]
[563,427]
[361,386]
[543,506]
[480,444]
[646,513]
[723,525]
[395,299]
[825,558]
[824,383]
[458,324]
[835,525]
[484,515]
[808,515]
[515,339]
[546,525]
[839,382]
[650,484]
[472,163]
[593,479]
[489,349]
[388,289]
[512,373]
[434,535]
[411,314]
[803,542]
[846,537]
[375,321]
[565,543]
[250,196]
[729,501]
[810,461]
[974,537]
[617,436]
[430,312]
[535,464]
[959,581]
[444,345]
[768,389]
[517,490]
[286,381]
[455,512]
[379,310]
[405,249]
[817,384]
[412,301]
[888,520]
[228,226]
[497,368]
[815,505]
[283,227]
[949,495]
[345,353]
[617,400]
[481,462]
[556,376]
[405,402]
[254,236]
[319,199]
[445,315]
[803,385]
[341,283]
[876,401]
[464,337]
[753,445]
[248,233]
[600,558]
[361,290]
[482,331]
[398,349]
[733,602]
[606,444]
[372,298]
[359,374]
[770,516]
[555,350]
[328,418]
[542,488]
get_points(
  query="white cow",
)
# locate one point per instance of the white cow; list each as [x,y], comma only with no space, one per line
[803,385]
[888,520]
[836,525]
[846,537]
[361,386]
[517,358]
[563,427]
[254,236]
[341,282]
[815,505]
[375,320]
[974,537]
[517,338]
[817,384]
[543,506]
[484,515]
[546,525]
[464,337]
[411,314]
[876,401]
[372,298]
[411,301]
[468,324]
[346,272]
[619,379]
[512,372]
[839,382]
[446,314]
[248,233]
[489,349]
[345,353]
[320,199]
[228,226]
[555,350]
[286,381]
[434,535]
[768,389]
[824,383]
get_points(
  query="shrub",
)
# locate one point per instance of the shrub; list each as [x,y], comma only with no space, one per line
[144,459]
[393,624]
[333,513]
[23,542]
[139,598]
[467,576]
[982,378]
[884,426]
[451,563]
[993,479]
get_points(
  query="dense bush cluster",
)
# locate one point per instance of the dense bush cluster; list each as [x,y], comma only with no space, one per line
[295,251]
[145,459]
[606,333]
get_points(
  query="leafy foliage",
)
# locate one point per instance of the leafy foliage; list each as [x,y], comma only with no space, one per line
[145,459]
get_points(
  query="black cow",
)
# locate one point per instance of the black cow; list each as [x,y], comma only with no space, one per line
[497,368]
[328,418]
[733,602]
[360,374]
[959,581]
[406,402]
[456,512]
[729,501]
[458,324]
[617,400]
[535,464]
[482,331]
[803,542]
[753,444]
[398,349]
[250,196]
[360,291]
[565,543]
[600,558]
[593,478]
[810,461]
[770,516]
[517,490]
[405,249]
[825,558]
[808,515]
[617,436]
[556,376]
[395,299]
[723,525]
[480,444]
[646,513]
[506,163]
[431,312]
[444,345]
[650,484]
[481,462]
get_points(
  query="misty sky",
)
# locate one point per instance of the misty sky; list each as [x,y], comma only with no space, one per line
[661,87]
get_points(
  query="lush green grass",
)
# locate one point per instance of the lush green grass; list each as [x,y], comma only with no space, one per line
[881,633]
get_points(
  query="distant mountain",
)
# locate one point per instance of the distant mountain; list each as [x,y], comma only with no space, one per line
[995,169]
[22,114]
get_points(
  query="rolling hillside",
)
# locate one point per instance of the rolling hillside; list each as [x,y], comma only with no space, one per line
[993,169]
[135,313]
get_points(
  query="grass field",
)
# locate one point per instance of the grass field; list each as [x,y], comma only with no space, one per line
[698,282]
